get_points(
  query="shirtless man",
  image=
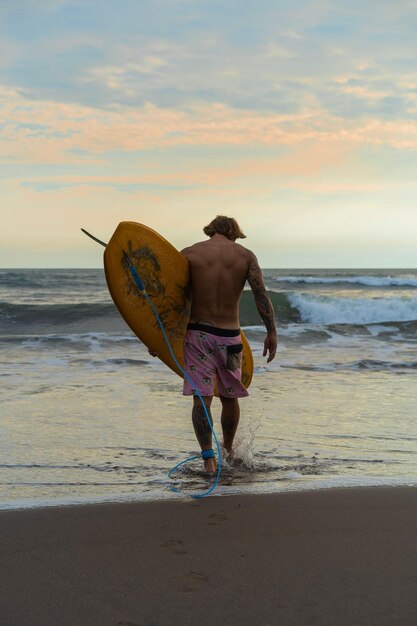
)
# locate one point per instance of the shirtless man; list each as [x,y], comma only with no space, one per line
[219,268]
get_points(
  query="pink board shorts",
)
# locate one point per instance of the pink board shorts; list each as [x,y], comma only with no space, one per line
[212,353]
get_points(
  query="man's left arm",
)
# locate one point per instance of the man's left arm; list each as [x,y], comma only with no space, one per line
[264,306]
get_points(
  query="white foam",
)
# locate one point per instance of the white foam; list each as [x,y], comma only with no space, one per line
[368,281]
[330,310]
[93,340]
[245,441]
[32,503]
[375,330]
[292,474]
[285,485]
[257,329]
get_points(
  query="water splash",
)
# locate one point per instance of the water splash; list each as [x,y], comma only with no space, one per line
[244,444]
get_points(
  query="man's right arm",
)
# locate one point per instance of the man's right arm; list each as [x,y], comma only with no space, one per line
[264,305]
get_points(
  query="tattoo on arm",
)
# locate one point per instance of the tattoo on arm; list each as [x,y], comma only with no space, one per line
[201,426]
[263,302]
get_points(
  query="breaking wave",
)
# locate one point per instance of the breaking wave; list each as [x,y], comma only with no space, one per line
[368,281]
[290,308]
[331,310]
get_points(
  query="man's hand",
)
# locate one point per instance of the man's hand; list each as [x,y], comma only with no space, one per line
[270,345]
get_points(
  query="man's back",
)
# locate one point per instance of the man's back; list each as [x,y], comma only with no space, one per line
[218,269]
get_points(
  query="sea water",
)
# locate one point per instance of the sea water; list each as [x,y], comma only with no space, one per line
[88,415]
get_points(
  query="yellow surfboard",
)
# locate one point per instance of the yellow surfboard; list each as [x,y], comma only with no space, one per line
[164,273]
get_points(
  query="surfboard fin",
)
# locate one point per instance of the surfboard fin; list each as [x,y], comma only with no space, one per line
[94,238]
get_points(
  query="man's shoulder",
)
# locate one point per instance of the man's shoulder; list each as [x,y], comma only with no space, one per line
[193,248]
[199,246]
[245,251]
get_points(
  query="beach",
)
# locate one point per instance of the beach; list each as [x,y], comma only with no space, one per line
[327,557]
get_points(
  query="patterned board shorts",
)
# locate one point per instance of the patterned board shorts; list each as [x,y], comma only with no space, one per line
[212,353]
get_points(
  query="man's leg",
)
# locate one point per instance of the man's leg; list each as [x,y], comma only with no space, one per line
[202,429]
[230,420]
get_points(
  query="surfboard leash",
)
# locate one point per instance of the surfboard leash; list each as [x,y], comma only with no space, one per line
[142,289]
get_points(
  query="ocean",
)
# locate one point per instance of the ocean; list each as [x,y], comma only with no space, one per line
[87,415]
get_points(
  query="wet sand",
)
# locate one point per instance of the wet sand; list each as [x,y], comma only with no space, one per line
[328,558]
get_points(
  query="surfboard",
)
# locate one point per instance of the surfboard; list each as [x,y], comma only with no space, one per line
[164,272]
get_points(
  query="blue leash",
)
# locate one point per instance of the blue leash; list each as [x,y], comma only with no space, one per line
[206,454]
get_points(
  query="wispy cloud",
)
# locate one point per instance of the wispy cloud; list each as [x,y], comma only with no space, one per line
[181,53]
[47,131]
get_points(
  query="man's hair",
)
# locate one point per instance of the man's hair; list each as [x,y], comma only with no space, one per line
[226,226]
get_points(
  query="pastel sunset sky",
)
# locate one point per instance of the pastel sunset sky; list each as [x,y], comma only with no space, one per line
[297,117]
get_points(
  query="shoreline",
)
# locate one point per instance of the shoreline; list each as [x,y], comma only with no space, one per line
[301,485]
[327,557]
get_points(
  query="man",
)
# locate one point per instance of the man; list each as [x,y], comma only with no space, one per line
[219,268]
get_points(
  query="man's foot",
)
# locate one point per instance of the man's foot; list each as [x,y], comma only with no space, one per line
[210,466]
[232,459]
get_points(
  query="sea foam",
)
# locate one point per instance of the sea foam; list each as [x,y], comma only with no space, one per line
[330,310]
[368,281]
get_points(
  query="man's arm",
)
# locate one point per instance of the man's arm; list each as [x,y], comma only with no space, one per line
[264,305]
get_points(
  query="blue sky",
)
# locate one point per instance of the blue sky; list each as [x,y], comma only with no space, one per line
[299,119]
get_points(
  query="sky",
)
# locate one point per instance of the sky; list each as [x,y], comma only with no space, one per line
[299,119]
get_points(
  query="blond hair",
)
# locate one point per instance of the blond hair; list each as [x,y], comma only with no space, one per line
[226,226]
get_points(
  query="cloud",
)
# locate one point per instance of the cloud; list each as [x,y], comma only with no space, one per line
[176,54]
[45,131]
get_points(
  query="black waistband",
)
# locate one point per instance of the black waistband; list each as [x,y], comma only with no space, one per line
[213,330]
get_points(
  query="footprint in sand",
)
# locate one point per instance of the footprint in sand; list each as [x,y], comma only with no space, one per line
[216,519]
[176,546]
[193,580]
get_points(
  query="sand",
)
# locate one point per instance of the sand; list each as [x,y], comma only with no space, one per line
[335,557]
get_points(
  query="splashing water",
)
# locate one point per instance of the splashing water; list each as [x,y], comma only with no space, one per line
[244,446]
